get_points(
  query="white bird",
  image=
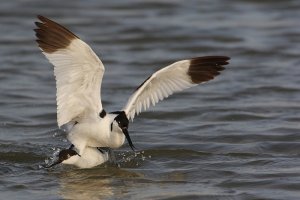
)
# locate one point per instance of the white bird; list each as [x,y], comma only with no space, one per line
[90,157]
[78,72]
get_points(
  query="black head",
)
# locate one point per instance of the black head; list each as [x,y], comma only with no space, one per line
[122,120]
[64,155]
[123,123]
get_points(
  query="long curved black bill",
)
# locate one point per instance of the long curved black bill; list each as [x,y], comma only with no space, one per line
[125,131]
[53,164]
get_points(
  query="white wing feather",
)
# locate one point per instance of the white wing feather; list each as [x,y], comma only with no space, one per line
[78,72]
[173,78]
[160,85]
[77,69]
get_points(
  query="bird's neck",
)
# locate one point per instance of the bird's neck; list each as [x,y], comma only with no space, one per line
[117,137]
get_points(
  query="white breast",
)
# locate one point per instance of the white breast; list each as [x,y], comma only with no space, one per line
[91,133]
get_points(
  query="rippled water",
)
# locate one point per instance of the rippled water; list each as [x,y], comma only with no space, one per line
[236,137]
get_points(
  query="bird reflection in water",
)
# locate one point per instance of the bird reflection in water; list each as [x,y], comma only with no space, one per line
[97,183]
[77,184]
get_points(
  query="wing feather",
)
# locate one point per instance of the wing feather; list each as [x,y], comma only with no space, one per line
[173,78]
[77,69]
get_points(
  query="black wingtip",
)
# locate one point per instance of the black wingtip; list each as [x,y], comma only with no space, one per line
[40,17]
[205,68]
[51,35]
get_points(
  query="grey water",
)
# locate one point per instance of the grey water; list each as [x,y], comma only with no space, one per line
[235,137]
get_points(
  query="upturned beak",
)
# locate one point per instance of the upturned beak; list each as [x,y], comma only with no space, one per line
[125,131]
[53,164]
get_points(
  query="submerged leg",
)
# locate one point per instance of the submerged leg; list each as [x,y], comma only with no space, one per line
[111,155]
[103,149]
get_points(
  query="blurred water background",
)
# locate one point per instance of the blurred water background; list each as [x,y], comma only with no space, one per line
[236,137]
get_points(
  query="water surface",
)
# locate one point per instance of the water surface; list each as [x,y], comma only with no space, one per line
[236,137]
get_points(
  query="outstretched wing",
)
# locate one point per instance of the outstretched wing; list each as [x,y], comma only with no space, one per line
[173,78]
[77,69]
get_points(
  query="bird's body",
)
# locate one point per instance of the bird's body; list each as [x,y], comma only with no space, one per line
[90,157]
[78,72]
[97,132]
